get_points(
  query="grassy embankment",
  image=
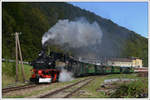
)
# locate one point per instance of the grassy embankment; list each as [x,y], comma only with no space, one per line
[126,90]
[9,73]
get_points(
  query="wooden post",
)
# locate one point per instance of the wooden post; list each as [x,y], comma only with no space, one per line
[22,66]
[16,57]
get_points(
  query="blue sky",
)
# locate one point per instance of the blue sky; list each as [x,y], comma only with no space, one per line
[132,15]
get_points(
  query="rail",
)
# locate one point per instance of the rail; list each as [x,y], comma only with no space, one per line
[5,90]
[70,88]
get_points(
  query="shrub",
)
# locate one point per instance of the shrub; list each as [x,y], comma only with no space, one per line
[134,89]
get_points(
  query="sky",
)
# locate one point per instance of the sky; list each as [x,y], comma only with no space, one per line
[132,15]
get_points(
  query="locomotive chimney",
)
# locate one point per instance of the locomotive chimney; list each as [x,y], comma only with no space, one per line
[43,51]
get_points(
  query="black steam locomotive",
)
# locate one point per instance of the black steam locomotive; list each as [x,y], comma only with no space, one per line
[45,69]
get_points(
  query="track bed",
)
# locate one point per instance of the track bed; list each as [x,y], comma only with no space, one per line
[68,90]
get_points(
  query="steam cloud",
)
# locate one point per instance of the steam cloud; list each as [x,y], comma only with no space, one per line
[73,34]
[65,76]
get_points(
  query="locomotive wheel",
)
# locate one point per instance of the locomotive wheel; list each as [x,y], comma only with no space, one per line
[34,80]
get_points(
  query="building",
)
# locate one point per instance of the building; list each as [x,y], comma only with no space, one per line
[125,62]
[137,62]
[107,61]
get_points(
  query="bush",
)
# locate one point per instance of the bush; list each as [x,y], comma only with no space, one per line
[135,89]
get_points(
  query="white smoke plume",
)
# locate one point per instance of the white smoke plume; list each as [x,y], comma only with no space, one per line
[65,76]
[73,34]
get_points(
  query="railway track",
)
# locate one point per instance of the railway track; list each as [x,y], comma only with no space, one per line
[10,89]
[68,90]
[5,90]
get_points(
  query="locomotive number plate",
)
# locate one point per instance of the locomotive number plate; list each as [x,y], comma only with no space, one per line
[43,80]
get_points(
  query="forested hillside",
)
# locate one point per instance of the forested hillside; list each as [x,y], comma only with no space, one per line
[34,19]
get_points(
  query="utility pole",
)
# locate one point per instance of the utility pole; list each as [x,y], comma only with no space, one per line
[16,57]
[22,66]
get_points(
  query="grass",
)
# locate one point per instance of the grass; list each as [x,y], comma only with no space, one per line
[91,89]
[9,73]
[94,85]
[135,89]
[130,76]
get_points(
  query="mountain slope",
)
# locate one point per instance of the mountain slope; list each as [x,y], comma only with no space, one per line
[34,19]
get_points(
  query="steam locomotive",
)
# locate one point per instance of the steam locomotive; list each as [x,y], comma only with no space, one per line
[45,69]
